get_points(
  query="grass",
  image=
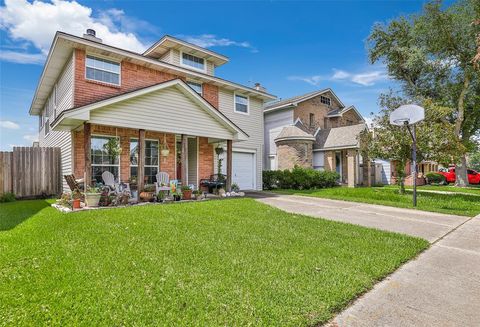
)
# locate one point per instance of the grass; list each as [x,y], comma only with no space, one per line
[231,262]
[472,189]
[457,204]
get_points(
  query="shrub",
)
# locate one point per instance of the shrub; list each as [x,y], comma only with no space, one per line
[299,179]
[435,178]
[7,197]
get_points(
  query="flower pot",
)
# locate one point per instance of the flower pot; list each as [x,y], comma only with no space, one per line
[147,196]
[76,204]
[92,199]
[187,194]
[165,152]
[177,198]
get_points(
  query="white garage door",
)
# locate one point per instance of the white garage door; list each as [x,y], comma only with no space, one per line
[243,169]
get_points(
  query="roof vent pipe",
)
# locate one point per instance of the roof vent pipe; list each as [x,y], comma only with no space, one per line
[260,88]
[91,35]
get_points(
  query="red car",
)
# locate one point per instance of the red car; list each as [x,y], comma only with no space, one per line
[473,176]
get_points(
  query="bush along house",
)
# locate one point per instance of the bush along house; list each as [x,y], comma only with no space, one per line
[161,110]
[316,130]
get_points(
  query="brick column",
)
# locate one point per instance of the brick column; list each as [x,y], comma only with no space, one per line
[87,154]
[330,160]
[229,165]
[141,161]
[351,171]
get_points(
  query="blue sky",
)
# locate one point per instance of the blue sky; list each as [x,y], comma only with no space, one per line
[289,47]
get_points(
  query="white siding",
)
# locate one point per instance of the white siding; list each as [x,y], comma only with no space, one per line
[252,124]
[175,57]
[274,123]
[165,110]
[167,57]
[210,68]
[60,99]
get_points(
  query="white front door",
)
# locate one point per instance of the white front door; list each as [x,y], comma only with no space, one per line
[243,170]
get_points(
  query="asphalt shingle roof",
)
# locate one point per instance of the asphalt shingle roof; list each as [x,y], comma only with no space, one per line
[339,137]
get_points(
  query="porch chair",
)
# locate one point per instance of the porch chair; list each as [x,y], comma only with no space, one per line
[73,183]
[162,178]
[109,180]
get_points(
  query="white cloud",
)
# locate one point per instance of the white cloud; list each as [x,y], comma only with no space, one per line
[22,57]
[31,137]
[38,21]
[211,40]
[365,79]
[9,124]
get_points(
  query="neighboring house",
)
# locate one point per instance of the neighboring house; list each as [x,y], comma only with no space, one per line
[167,98]
[314,130]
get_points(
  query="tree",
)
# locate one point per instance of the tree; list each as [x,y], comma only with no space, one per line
[432,56]
[435,136]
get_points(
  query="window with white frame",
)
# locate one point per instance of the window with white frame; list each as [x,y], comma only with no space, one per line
[193,61]
[241,104]
[197,87]
[325,100]
[102,70]
[151,168]
[104,157]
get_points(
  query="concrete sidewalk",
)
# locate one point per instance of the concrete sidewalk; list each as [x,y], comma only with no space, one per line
[439,288]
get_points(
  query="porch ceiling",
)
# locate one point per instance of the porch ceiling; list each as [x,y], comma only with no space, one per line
[170,107]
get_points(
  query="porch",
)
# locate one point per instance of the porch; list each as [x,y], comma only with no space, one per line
[352,167]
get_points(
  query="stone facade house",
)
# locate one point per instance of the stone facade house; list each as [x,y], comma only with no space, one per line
[315,130]
[164,109]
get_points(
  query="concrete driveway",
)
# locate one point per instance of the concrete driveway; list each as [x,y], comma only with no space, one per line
[439,288]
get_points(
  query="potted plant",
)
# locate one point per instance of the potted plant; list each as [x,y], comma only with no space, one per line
[92,196]
[161,196]
[186,192]
[148,193]
[197,194]
[132,181]
[177,195]
[76,198]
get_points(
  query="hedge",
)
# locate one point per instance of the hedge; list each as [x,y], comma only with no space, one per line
[435,178]
[299,179]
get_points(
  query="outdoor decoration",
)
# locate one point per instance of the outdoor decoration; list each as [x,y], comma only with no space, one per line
[148,194]
[164,149]
[186,192]
[92,196]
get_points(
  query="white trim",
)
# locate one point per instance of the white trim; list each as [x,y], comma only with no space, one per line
[195,82]
[250,151]
[298,120]
[303,138]
[235,103]
[338,148]
[106,165]
[317,131]
[83,113]
[186,44]
[105,70]
[144,165]
[204,70]
[297,101]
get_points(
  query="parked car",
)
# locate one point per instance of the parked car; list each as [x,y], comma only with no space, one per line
[473,176]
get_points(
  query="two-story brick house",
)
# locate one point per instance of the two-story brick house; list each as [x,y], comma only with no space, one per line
[314,130]
[165,108]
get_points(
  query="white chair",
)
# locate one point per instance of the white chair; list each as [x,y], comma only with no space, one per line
[162,183]
[109,180]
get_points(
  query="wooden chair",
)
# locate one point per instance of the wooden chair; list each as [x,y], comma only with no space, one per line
[162,183]
[72,183]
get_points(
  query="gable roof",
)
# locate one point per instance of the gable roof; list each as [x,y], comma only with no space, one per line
[62,48]
[338,137]
[71,118]
[169,42]
[294,101]
[340,112]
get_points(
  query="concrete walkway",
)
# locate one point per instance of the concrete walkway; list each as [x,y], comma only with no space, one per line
[439,288]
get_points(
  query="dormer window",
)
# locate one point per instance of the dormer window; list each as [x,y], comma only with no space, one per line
[193,61]
[102,70]
[197,87]
[325,100]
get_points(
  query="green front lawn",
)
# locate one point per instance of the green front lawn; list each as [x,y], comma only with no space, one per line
[231,262]
[458,204]
[471,189]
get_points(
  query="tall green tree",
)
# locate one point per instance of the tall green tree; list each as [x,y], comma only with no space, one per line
[435,136]
[432,56]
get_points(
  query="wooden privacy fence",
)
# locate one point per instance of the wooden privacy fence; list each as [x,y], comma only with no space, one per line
[30,172]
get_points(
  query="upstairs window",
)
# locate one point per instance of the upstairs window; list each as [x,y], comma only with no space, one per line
[325,100]
[192,61]
[312,120]
[241,104]
[197,87]
[102,70]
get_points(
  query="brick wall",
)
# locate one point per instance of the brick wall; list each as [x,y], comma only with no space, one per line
[291,153]
[167,164]
[133,77]
[315,107]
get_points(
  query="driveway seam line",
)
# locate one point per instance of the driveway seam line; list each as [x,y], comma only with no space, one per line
[451,231]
